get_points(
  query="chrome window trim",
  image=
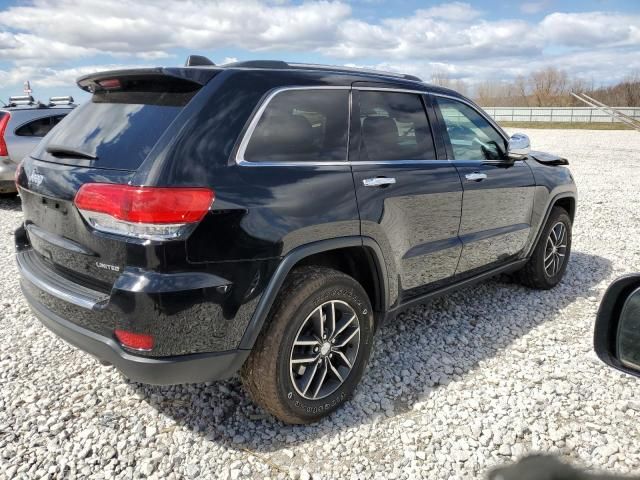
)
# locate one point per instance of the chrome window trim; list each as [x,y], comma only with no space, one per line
[247,163]
[431,161]
[239,157]
[391,89]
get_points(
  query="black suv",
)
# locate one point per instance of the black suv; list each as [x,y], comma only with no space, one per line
[264,217]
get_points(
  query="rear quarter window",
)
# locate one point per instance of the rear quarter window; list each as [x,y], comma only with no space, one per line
[301,126]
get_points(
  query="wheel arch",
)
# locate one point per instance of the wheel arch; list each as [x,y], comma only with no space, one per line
[566,200]
[343,254]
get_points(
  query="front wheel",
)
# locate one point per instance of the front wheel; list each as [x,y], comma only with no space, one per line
[548,263]
[310,357]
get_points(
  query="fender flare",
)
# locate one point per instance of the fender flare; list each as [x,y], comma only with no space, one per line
[543,222]
[291,259]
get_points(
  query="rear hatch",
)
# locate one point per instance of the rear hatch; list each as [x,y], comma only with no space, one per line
[105,140]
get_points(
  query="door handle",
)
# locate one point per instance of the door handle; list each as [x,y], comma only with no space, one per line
[378,181]
[475,176]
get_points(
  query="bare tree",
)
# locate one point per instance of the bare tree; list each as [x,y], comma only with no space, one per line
[548,86]
[460,86]
[631,89]
[440,78]
[552,87]
[443,79]
[521,88]
[485,95]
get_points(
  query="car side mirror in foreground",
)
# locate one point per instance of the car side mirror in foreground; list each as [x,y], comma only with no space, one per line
[617,332]
[519,146]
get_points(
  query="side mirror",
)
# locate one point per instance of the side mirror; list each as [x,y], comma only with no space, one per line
[617,332]
[519,146]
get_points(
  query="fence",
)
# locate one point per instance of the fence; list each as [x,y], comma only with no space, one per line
[558,114]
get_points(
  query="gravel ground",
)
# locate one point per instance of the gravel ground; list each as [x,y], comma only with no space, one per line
[476,379]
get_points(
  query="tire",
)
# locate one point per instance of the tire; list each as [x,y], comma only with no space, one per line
[538,273]
[272,377]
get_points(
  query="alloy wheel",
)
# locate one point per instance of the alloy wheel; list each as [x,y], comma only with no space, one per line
[324,350]
[556,249]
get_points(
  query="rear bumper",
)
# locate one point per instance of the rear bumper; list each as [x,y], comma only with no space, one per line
[8,186]
[201,310]
[193,368]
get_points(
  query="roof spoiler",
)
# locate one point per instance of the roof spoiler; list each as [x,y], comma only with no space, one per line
[91,82]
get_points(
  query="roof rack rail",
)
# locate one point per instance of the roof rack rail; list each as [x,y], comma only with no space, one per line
[336,68]
[281,65]
[273,64]
[68,100]
[21,100]
[200,61]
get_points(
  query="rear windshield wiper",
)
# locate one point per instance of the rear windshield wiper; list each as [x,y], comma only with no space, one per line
[62,151]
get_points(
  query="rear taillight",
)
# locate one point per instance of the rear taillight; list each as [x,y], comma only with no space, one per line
[4,121]
[156,213]
[135,341]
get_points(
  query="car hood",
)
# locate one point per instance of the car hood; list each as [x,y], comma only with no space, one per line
[548,158]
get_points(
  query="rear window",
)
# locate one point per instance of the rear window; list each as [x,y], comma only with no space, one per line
[120,128]
[39,127]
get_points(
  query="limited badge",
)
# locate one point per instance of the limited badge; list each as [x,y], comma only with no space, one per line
[106,266]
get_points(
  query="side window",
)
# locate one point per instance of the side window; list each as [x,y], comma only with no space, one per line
[394,127]
[56,120]
[472,137]
[39,127]
[302,125]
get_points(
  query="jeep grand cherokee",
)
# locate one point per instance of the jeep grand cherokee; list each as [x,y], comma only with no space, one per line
[265,218]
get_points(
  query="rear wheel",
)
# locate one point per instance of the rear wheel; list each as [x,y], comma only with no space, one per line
[311,356]
[548,263]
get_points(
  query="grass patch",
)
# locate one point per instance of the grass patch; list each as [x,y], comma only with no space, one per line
[568,125]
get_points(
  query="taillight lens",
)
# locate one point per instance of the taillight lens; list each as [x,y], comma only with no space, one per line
[156,213]
[136,341]
[4,121]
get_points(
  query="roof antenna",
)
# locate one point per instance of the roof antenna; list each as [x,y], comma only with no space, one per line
[198,61]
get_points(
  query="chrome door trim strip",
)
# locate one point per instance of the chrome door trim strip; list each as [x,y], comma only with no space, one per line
[246,163]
